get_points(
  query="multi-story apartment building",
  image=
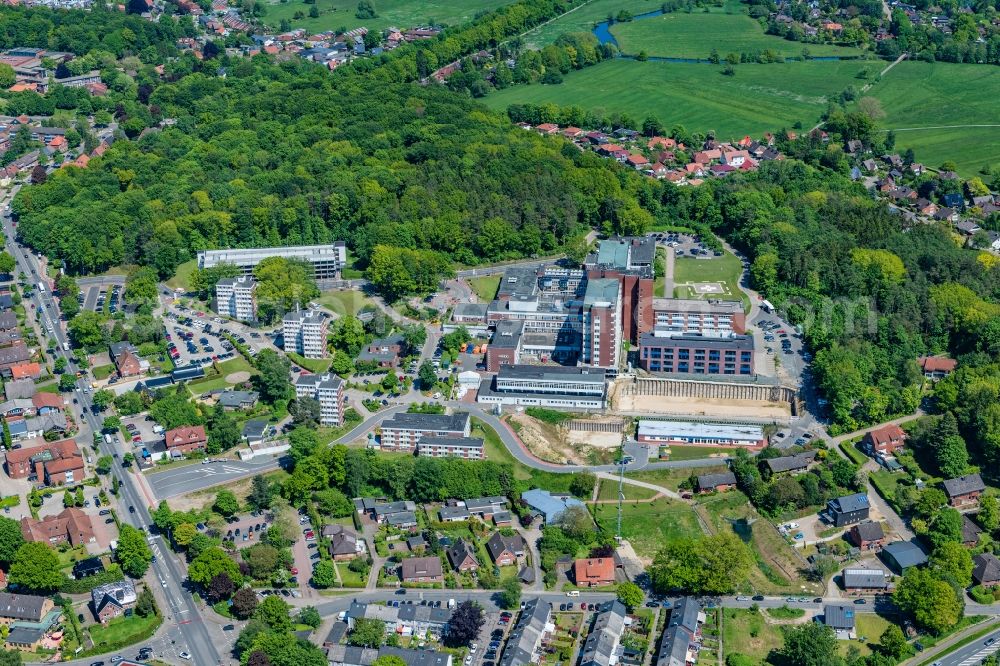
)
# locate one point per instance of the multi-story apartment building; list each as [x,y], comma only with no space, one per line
[696,354]
[470,448]
[629,261]
[236,298]
[711,317]
[327,260]
[403,432]
[305,333]
[328,391]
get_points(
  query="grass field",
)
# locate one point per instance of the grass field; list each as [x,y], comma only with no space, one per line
[485,287]
[609,491]
[344,302]
[338,14]
[922,95]
[672,478]
[313,365]
[725,270]
[649,525]
[746,632]
[182,278]
[123,630]
[694,35]
[698,453]
[758,99]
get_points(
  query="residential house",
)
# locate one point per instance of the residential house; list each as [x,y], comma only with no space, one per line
[127,361]
[484,507]
[23,608]
[345,544]
[603,644]
[525,640]
[16,354]
[798,462]
[970,532]
[19,388]
[926,207]
[88,567]
[47,403]
[594,571]
[238,400]
[186,439]
[848,509]
[548,506]
[48,463]
[964,490]
[884,441]
[25,371]
[25,638]
[256,431]
[505,550]
[404,520]
[112,600]
[453,514]
[937,367]
[547,128]
[462,557]
[71,526]
[986,569]
[17,408]
[385,352]
[901,555]
[350,655]
[382,511]
[422,570]
[868,535]
[840,619]
[946,214]
[682,636]
[716,482]
[865,581]
[8,321]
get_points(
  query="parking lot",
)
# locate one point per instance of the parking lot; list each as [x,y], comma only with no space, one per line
[95,297]
[141,429]
[684,245]
[191,344]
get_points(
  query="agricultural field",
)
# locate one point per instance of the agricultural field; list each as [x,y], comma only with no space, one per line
[758,99]
[649,525]
[924,102]
[694,35]
[338,14]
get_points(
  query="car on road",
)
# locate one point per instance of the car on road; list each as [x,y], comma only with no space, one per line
[800,536]
[990,641]
[131,508]
[737,599]
[860,602]
[184,655]
[758,597]
[229,627]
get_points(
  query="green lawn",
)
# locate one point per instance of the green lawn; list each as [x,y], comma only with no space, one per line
[344,302]
[922,95]
[182,278]
[649,525]
[237,364]
[698,453]
[348,577]
[758,99]
[485,287]
[313,365]
[339,14]
[123,630]
[694,35]
[672,478]
[745,632]
[609,491]
[102,371]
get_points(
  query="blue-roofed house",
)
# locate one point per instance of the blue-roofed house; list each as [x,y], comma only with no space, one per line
[550,507]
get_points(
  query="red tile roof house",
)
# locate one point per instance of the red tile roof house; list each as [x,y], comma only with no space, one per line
[25,371]
[72,525]
[547,128]
[594,572]
[694,169]
[936,367]
[885,440]
[47,402]
[126,359]
[572,132]
[51,463]
[707,156]
[637,161]
[186,439]
[661,142]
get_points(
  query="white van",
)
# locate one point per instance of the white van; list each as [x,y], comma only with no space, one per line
[573,593]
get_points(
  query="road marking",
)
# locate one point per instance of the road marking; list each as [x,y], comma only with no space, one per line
[978,657]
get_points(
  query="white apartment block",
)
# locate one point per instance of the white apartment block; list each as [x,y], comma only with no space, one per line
[236,298]
[327,260]
[403,431]
[328,390]
[305,333]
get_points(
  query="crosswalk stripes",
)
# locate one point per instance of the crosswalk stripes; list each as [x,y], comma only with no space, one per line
[979,656]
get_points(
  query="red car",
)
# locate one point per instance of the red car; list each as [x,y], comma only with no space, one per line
[295,572]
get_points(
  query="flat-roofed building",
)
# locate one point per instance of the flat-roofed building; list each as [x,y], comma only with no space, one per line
[696,354]
[470,448]
[687,433]
[304,333]
[236,298]
[602,323]
[403,432]
[327,260]
[689,315]
[546,386]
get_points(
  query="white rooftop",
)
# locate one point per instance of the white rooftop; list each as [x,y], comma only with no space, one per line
[685,429]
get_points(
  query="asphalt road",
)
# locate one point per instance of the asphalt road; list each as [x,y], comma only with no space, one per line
[973,652]
[189,629]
